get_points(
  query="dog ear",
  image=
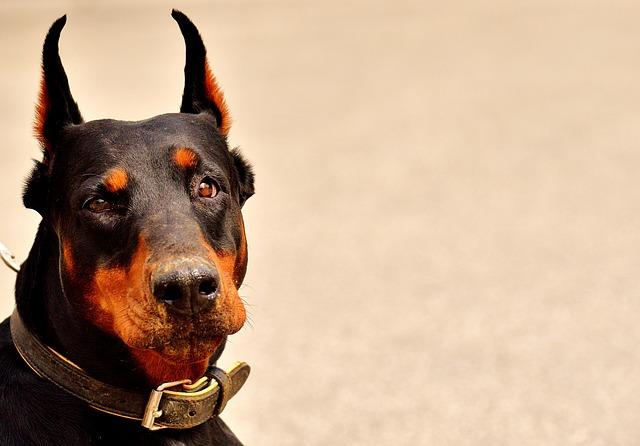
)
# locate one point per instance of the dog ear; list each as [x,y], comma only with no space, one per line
[203,94]
[56,107]
[55,110]
[245,175]
[201,90]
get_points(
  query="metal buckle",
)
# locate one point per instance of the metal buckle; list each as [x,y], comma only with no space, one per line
[151,412]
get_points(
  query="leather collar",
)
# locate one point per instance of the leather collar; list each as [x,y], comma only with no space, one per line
[175,405]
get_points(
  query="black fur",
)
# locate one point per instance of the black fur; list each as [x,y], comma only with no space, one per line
[158,203]
[194,99]
[64,110]
[244,170]
[35,188]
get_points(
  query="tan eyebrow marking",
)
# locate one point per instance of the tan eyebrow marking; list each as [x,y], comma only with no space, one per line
[185,158]
[116,180]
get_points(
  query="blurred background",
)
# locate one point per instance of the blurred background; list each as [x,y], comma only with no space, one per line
[444,242]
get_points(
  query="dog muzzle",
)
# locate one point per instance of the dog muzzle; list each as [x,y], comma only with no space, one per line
[177,405]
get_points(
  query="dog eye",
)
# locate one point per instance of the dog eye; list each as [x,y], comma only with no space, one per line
[98,205]
[207,188]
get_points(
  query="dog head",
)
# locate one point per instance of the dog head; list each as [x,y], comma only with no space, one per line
[147,215]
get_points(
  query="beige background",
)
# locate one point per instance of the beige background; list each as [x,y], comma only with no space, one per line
[444,243]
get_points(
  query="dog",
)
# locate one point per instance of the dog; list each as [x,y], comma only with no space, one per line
[131,287]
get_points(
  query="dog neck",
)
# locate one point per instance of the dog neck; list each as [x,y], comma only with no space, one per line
[47,312]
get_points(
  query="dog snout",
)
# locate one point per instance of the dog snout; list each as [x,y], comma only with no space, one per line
[186,286]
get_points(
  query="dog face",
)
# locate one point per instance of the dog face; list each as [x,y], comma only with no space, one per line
[148,216]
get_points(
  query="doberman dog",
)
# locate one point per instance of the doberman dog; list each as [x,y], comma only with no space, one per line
[134,273]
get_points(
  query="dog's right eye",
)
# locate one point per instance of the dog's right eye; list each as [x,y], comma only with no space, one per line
[98,205]
[207,188]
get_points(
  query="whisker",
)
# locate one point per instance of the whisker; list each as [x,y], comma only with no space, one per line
[246,302]
[246,285]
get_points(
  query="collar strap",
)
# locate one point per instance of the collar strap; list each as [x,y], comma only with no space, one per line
[175,405]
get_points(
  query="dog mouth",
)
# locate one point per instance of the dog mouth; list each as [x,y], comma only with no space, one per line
[153,332]
[154,329]
[175,354]
[178,345]
[189,350]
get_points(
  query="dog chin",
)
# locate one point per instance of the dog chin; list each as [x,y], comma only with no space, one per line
[182,359]
[191,346]
[167,352]
[190,350]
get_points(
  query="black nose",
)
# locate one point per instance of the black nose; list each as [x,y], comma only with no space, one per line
[186,286]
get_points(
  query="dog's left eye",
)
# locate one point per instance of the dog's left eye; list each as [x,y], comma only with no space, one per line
[98,205]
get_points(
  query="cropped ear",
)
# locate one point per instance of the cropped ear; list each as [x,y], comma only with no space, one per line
[201,90]
[55,110]
[56,107]
[245,174]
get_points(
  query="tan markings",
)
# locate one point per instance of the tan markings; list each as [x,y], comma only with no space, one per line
[42,111]
[229,304]
[116,180]
[67,255]
[116,293]
[185,158]
[215,94]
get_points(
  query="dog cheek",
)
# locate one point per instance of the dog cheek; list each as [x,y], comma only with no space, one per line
[241,258]
[118,304]
[68,261]
[103,310]
[229,306]
[235,311]
[81,294]
[115,305]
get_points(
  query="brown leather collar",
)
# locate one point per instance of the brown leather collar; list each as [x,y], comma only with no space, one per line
[176,405]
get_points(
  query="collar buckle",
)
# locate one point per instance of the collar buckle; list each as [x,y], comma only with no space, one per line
[151,412]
